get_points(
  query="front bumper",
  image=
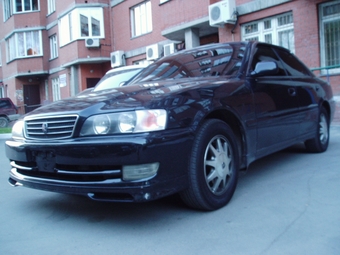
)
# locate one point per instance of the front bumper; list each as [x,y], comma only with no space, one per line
[93,166]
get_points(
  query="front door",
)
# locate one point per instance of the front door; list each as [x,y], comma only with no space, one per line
[31,97]
[276,104]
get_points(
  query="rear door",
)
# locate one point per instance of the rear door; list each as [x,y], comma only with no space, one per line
[276,105]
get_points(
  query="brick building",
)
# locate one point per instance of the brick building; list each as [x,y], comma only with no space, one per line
[56,48]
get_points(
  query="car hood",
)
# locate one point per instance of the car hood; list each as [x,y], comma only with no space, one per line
[136,96]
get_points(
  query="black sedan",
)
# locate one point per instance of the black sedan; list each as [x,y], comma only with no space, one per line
[186,124]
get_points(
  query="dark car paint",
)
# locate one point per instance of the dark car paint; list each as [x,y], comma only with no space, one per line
[267,114]
[8,110]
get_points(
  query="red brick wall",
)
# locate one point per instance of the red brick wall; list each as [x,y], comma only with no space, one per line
[306,31]
[164,16]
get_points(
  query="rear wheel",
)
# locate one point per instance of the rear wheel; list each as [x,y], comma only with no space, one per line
[320,142]
[213,167]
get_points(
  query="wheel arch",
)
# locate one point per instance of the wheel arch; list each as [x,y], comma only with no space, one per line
[326,105]
[4,116]
[235,124]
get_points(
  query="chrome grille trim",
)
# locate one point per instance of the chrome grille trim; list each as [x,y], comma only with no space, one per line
[50,127]
[15,165]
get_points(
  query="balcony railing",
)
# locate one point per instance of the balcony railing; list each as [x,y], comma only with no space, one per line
[327,68]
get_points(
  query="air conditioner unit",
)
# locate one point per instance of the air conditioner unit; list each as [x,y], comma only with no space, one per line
[221,13]
[117,58]
[92,42]
[153,52]
[169,49]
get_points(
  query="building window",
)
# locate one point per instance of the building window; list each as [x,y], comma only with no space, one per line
[50,6]
[56,89]
[53,47]
[141,19]
[84,25]
[278,30]
[89,26]
[24,44]
[7,9]
[70,27]
[330,34]
[26,5]
[81,23]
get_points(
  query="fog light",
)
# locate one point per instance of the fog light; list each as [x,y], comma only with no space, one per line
[137,172]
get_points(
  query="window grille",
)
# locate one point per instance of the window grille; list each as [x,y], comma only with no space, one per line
[330,34]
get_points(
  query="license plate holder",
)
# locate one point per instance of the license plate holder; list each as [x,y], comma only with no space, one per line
[45,161]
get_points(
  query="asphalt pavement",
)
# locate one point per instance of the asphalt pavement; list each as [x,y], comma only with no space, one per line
[287,203]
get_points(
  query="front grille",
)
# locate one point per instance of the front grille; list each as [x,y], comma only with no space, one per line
[56,127]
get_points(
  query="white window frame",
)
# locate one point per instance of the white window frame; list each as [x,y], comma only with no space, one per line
[260,32]
[8,10]
[324,19]
[24,45]
[50,6]
[46,91]
[31,5]
[70,27]
[141,19]
[56,89]
[53,47]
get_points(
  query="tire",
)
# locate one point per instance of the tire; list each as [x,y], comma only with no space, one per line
[213,167]
[320,142]
[3,122]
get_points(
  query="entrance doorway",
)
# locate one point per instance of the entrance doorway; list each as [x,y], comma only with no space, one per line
[31,97]
[91,82]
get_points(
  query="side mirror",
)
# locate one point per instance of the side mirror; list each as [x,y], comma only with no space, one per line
[123,83]
[265,68]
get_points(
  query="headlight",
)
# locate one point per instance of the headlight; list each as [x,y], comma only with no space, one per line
[101,124]
[125,122]
[18,129]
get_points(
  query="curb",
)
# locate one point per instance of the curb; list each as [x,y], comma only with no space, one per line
[5,136]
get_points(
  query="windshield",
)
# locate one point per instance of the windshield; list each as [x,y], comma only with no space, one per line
[115,79]
[210,60]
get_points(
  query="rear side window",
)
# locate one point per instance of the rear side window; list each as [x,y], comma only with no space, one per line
[5,104]
[264,53]
[210,60]
[292,65]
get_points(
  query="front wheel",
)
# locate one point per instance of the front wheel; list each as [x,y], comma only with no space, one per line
[213,167]
[320,142]
[3,122]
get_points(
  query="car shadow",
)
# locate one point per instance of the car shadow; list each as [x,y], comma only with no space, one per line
[64,207]
[60,207]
